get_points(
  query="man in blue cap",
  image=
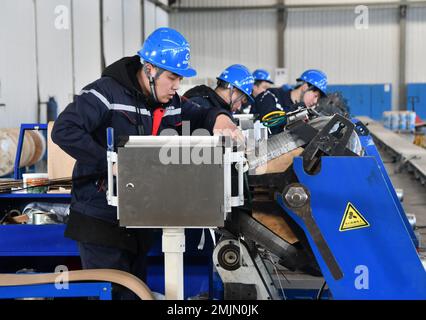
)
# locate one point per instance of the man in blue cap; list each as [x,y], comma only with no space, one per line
[262,82]
[234,88]
[311,85]
[136,96]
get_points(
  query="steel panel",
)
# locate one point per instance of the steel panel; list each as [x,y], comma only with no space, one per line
[173,195]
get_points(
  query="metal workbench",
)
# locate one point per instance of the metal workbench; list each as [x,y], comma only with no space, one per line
[410,156]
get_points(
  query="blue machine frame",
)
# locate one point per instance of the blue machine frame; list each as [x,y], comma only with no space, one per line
[371,150]
[102,290]
[17,174]
[378,261]
[37,242]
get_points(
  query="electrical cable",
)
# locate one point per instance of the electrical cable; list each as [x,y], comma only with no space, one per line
[320,292]
[274,118]
[276,272]
[280,271]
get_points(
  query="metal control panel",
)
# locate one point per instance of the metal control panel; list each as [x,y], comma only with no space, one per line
[152,194]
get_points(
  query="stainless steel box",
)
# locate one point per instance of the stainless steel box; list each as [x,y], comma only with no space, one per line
[152,194]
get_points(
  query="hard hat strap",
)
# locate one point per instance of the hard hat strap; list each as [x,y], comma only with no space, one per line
[151,82]
[231,91]
[152,88]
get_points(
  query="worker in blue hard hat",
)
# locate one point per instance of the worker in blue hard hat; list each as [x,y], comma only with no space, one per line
[135,96]
[262,81]
[234,88]
[287,87]
[310,86]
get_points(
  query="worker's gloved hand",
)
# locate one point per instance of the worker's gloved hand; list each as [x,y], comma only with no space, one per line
[224,126]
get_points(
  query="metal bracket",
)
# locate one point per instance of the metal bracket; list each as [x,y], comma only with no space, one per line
[361,129]
[230,157]
[236,264]
[111,160]
[329,143]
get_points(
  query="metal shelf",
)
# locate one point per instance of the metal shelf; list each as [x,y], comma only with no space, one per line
[33,240]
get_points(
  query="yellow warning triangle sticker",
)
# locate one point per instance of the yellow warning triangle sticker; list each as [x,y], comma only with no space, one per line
[352,219]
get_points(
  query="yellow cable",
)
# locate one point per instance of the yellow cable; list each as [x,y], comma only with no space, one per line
[272,114]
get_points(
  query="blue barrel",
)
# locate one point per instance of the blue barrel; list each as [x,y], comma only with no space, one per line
[387,120]
[402,121]
[394,121]
[411,121]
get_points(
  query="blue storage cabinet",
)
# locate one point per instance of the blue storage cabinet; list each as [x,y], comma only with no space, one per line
[381,100]
[416,98]
[366,99]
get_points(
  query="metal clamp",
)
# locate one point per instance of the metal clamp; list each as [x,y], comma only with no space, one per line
[111,198]
[230,157]
[111,160]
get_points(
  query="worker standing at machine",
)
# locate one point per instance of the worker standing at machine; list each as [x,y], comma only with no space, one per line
[135,96]
[234,88]
[311,85]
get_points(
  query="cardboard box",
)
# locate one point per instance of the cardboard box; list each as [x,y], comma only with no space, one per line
[59,164]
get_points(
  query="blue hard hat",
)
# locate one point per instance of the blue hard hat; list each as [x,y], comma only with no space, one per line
[262,75]
[315,78]
[239,77]
[286,87]
[166,48]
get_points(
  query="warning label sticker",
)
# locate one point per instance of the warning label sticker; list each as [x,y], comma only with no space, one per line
[352,219]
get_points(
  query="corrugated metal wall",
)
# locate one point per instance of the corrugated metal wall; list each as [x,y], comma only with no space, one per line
[87,43]
[18,75]
[219,39]
[322,38]
[155,17]
[223,3]
[328,40]
[55,54]
[331,2]
[416,45]
[68,56]
[230,3]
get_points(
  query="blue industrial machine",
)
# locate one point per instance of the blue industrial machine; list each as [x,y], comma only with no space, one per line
[352,232]
[101,290]
[356,232]
[352,228]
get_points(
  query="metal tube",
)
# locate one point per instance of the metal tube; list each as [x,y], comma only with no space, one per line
[173,246]
[342,4]
[241,179]
[169,141]
[111,159]
[110,177]
[227,180]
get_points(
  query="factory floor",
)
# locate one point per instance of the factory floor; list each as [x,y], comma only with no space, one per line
[414,194]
